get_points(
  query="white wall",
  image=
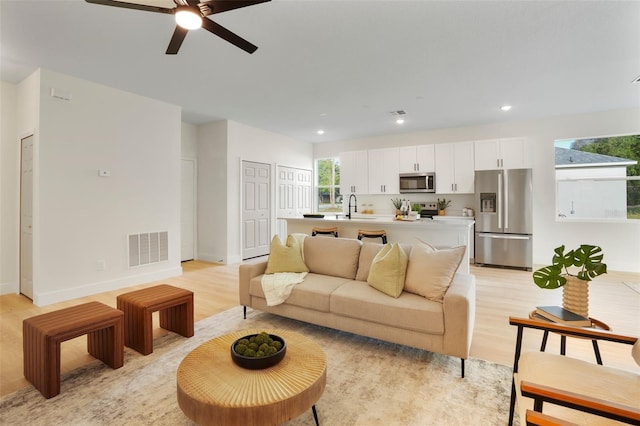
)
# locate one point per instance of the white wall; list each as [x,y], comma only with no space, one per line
[619,241]
[189,141]
[20,112]
[252,144]
[80,218]
[221,148]
[212,192]
[9,158]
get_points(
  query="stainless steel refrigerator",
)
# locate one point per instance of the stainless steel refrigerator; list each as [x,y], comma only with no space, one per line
[503,229]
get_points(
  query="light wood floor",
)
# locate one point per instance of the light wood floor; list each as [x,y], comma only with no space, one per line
[500,293]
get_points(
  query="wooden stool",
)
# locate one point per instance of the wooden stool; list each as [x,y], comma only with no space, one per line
[363,233]
[42,335]
[176,314]
[330,231]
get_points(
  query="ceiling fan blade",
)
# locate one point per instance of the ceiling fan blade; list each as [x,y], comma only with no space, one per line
[135,6]
[217,6]
[224,33]
[176,40]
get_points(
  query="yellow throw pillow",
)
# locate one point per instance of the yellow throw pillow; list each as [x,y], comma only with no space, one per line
[388,270]
[285,258]
[430,272]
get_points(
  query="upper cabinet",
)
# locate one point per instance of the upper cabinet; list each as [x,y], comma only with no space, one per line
[454,168]
[417,159]
[383,171]
[498,154]
[354,173]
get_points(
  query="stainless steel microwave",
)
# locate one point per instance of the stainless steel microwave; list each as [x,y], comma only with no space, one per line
[417,182]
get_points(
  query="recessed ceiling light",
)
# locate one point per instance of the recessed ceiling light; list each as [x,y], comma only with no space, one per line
[320,132]
[400,121]
[505,107]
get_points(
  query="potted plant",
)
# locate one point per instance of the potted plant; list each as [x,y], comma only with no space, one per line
[575,285]
[442,205]
[397,203]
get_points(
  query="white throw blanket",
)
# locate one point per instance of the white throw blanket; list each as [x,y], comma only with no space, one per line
[277,287]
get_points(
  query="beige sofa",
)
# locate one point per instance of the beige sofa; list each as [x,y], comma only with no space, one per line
[335,294]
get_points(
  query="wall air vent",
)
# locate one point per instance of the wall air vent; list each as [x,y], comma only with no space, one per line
[147,248]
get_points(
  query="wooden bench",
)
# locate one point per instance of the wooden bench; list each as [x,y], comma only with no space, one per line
[42,335]
[176,314]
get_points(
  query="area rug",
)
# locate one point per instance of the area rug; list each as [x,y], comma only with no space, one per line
[369,382]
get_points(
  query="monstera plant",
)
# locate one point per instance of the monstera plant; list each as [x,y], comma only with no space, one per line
[587,258]
[588,261]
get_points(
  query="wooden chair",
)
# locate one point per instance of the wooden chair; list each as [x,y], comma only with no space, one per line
[582,386]
[327,231]
[535,418]
[364,233]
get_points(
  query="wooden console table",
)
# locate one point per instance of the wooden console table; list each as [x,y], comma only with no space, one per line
[212,389]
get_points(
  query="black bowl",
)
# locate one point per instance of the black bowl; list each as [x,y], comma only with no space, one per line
[253,363]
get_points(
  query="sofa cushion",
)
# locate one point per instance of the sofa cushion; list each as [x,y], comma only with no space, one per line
[312,293]
[336,257]
[285,257]
[429,272]
[367,253]
[356,299]
[388,270]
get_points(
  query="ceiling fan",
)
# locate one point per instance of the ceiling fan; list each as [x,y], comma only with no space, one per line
[191,15]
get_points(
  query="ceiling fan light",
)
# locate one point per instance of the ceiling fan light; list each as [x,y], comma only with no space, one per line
[188,19]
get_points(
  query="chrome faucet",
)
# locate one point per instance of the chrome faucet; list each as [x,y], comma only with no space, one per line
[355,205]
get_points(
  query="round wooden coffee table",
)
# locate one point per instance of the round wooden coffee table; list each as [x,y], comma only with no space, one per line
[212,389]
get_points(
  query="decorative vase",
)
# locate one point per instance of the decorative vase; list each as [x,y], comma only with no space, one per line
[575,296]
[440,212]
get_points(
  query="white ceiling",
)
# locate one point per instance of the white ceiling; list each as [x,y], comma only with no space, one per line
[344,65]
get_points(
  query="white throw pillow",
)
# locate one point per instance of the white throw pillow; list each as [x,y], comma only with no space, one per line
[430,272]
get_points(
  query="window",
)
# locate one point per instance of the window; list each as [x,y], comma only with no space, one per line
[328,185]
[598,178]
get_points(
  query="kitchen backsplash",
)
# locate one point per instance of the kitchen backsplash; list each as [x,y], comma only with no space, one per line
[381,204]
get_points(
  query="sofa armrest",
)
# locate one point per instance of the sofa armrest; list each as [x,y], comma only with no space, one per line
[459,306]
[247,272]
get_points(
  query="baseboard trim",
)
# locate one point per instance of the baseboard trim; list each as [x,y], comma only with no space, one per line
[9,288]
[47,298]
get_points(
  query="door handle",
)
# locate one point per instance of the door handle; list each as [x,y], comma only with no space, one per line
[499,201]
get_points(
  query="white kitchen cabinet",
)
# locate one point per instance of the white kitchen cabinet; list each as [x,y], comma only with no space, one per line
[499,154]
[454,168]
[417,159]
[383,171]
[354,173]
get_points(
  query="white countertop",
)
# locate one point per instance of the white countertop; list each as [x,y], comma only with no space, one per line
[389,220]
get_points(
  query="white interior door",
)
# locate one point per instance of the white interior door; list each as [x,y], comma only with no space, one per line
[187,210]
[26,217]
[256,209]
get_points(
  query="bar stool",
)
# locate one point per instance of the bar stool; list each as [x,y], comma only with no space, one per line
[364,233]
[329,231]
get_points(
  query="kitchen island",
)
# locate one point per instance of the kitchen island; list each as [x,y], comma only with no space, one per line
[445,233]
